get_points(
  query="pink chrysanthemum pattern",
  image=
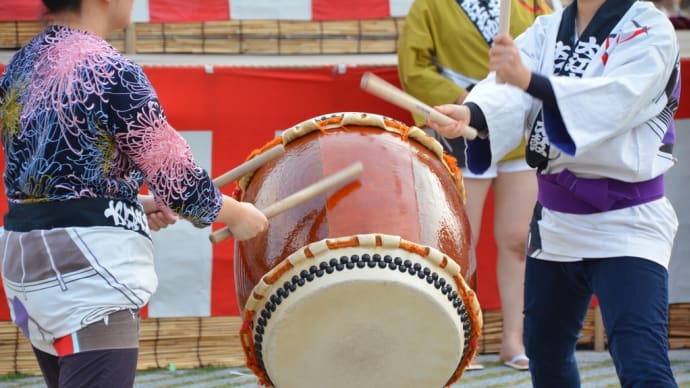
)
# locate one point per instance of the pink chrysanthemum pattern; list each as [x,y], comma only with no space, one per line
[79,120]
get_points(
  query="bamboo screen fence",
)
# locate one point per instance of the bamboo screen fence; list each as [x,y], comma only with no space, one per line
[256,37]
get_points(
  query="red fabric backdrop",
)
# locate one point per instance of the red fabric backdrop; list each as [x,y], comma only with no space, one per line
[172,11]
[21,10]
[245,106]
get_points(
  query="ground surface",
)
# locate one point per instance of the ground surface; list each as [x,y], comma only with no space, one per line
[596,371]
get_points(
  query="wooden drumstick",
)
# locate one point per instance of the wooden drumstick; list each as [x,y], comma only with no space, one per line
[381,88]
[503,25]
[250,165]
[333,181]
[504,17]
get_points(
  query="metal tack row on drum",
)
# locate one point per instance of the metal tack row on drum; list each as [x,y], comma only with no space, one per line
[367,285]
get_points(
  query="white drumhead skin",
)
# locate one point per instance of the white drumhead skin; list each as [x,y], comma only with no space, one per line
[362,311]
[365,333]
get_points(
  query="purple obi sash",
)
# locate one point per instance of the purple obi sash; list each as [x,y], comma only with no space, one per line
[564,192]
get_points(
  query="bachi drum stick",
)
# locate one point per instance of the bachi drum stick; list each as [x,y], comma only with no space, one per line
[250,165]
[389,92]
[503,24]
[334,181]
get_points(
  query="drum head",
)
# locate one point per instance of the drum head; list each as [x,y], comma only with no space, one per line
[369,333]
[373,313]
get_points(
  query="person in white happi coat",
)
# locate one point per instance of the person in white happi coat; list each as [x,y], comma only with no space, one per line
[596,86]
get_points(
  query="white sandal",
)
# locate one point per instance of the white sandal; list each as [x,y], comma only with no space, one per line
[517,362]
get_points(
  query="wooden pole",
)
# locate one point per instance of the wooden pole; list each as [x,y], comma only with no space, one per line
[131,39]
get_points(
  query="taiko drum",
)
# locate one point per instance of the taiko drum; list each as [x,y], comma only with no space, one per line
[337,278]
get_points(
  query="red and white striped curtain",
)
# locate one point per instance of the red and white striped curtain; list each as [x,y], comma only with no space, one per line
[171,11]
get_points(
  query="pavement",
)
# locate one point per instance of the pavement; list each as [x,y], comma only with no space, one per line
[596,371]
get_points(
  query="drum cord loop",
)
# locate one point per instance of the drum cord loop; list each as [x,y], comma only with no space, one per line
[471,332]
[250,350]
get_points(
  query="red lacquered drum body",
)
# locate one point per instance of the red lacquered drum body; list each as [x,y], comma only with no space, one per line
[408,189]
